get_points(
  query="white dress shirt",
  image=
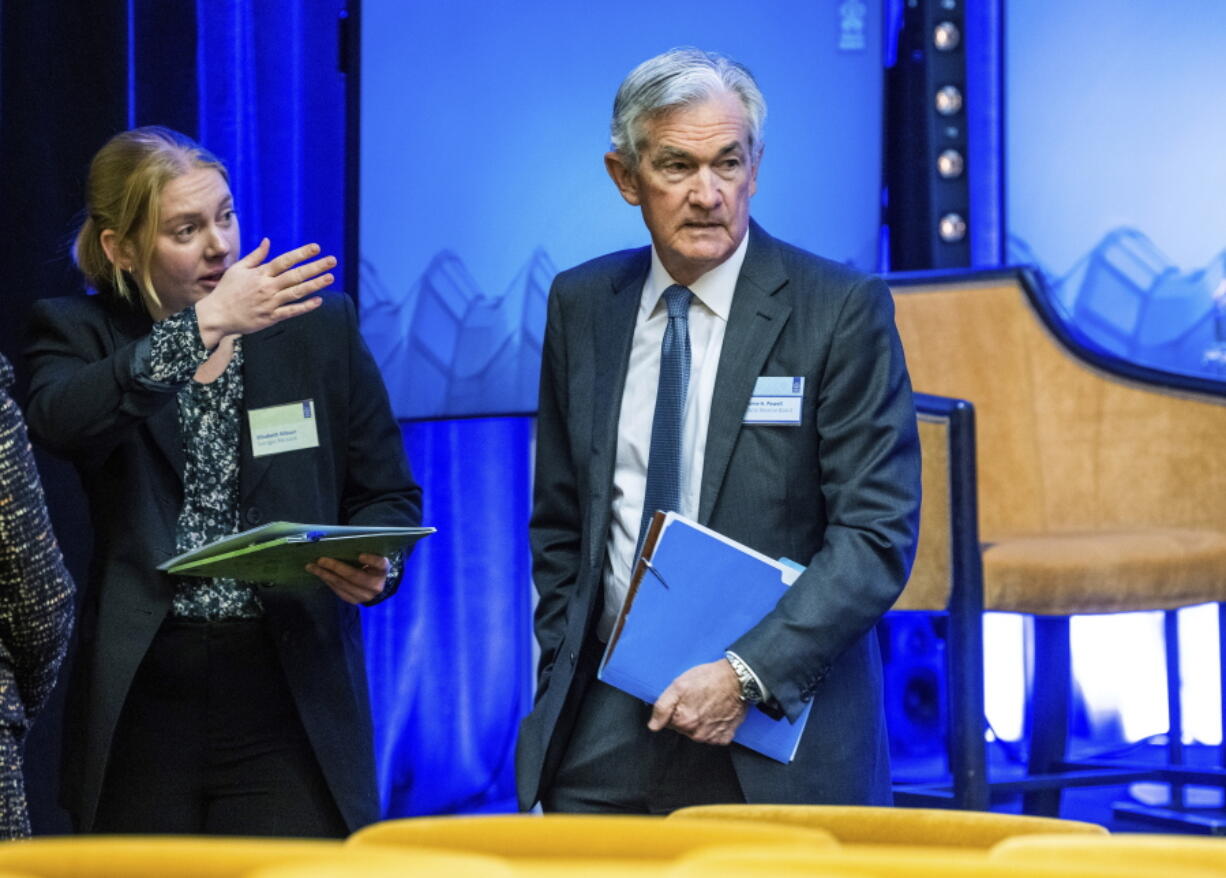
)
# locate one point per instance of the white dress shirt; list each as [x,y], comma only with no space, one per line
[708,320]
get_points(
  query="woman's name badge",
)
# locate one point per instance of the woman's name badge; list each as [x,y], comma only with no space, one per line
[776,401]
[279,428]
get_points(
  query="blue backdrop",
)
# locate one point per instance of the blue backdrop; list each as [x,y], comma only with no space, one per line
[484,127]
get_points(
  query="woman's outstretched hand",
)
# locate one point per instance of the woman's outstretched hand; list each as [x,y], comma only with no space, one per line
[254,294]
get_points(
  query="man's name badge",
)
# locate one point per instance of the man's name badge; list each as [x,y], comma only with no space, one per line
[776,401]
[279,428]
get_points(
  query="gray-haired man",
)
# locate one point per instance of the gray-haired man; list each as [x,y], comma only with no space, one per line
[651,360]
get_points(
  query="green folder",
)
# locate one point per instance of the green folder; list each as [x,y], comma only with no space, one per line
[277,553]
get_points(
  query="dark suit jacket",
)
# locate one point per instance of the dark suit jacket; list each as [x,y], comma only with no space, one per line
[840,492]
[124,439]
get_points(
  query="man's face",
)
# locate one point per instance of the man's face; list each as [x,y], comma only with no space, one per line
[695,177]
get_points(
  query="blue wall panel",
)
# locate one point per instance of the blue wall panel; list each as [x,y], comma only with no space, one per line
[484,127]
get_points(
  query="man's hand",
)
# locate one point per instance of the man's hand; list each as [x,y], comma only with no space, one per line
[353,585]
[704,704]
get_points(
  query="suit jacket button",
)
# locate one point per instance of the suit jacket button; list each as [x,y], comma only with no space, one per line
[253,515]
[572,656]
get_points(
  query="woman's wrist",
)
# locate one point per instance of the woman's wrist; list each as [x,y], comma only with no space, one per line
[175,350]
[208,323]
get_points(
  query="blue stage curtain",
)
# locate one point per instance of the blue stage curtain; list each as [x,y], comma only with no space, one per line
[272,106]
[449,658]
[450,655]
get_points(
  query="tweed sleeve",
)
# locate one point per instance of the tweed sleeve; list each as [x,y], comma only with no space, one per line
[35,588]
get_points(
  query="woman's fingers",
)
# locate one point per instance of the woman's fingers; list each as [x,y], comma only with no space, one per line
[294,309]
[297,291]
[256,256]
[305,272]
[254,294]
[290,258]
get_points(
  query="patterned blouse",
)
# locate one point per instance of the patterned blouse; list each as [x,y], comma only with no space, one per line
[209,423]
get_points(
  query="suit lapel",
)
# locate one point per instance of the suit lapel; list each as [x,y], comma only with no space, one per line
[613,331]
[163,428]
[130,323]
[264,384]
[757,317]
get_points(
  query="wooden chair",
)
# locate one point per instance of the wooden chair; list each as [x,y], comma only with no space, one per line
[1057,480]
[854,824]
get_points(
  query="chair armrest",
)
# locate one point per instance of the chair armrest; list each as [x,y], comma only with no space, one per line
[949,569]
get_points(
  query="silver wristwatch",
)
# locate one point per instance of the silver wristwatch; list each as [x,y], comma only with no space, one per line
[750,691]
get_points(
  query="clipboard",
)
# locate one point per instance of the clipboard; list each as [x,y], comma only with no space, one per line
[277,553]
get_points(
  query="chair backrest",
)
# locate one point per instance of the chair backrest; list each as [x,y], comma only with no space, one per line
[584,836]
[859,824]
[415,862]
[931,584]
[1159,853]
[759,862]
[1062,444]
[193,857]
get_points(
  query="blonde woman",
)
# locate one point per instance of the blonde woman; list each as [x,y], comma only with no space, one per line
[211,706]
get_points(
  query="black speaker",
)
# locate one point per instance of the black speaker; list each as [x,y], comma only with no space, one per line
[916,700]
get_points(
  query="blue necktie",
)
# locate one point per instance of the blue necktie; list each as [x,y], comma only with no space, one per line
[664,463]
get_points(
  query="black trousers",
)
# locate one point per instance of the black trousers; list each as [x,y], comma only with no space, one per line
[210,742]
[614,764]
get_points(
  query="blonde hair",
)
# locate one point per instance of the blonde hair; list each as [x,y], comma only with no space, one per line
[122,194]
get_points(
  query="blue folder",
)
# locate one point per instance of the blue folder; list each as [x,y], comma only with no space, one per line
[692,595]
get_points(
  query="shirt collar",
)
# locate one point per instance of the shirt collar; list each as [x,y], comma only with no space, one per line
[714,289]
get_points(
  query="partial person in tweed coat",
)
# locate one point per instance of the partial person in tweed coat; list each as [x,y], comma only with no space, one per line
[35,605]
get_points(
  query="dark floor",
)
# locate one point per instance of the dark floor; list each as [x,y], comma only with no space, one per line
[1098,804]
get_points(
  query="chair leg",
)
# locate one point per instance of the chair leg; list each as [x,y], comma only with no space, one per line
[1050,693]
[1174,706]
[967,750]
[1221,664]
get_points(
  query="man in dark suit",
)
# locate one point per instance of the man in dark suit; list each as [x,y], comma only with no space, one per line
[655,367]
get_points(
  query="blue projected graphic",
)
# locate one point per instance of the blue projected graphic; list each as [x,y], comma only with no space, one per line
[484,128]
[1128,297]
[1114,170]
[447,347]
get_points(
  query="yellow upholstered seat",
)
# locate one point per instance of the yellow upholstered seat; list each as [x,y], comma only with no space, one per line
[194,857]
[1107,571]
[583,844]
[884,862]
[1158,853]
[853,824]
[1056,481]
[415,862]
